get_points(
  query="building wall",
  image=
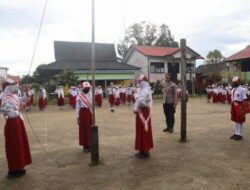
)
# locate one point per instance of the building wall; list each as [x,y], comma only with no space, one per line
[157,76]
[178,55]
[139,60]
[106,76]
[142,61]
[3,73]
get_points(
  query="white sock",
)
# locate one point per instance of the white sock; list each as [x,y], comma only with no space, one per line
[235,128]
[240,129]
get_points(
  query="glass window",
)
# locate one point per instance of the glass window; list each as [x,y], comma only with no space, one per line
[157,67]
[173,68]
[245,66]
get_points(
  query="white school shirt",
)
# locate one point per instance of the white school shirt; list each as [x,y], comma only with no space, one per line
[238,94]
[80,104]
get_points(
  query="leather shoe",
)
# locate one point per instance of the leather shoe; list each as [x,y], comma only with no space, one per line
[238,137]
[86,149]
[166,130]
[139,155]
[16,173]
[146,155]
[170,130]
[233,136]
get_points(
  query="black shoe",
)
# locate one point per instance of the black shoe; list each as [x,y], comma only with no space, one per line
[139,155]
[86,149]
[233,136]
[166,129]
[16,173]
[238,137]
[146,155]
[170,130]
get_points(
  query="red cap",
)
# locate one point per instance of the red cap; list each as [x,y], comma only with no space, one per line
[236,79]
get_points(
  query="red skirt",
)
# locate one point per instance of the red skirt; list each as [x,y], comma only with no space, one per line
[96,98]
[117,101]
[85,117]
[60,101]
[248,97]
[72,101]
[32,99]
[223,98]
[229,98]
[133,97]
[123,97]
[99,100]
[129,98]
[42,103]
[238,113]
[16,144]
[143,138]
[111,100]
[29,103]
[215,98]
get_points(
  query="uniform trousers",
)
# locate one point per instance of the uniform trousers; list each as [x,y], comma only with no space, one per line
[169,111]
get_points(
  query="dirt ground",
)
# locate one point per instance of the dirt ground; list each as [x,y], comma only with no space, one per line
[209,160]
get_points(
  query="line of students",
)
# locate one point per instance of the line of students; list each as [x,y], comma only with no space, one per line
[16,141]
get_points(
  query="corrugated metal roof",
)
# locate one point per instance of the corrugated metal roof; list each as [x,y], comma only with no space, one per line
[86,65]
[156,50]
[77,56]
[209,69]
[82,51]
[243,54]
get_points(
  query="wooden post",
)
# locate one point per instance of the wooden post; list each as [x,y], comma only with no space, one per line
[183,92]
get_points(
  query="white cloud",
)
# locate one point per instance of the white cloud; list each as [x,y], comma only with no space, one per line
[207,25]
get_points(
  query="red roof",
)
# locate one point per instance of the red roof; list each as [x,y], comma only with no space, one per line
[156,50]
[243,54]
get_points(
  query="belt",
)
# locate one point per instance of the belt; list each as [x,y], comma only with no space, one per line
[237,101]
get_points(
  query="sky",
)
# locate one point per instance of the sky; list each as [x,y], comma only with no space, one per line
[206,25]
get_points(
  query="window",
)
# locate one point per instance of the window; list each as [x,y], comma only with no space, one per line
[245,66]
[157,67]
[173,68]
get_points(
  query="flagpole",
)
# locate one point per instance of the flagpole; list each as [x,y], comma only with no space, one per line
[94,128]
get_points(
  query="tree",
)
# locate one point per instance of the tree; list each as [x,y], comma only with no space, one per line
[67,77]
[145,33]
[166,38]
[27,79]
[214,57]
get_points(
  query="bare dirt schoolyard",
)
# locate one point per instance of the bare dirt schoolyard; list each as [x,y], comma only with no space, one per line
[209,160]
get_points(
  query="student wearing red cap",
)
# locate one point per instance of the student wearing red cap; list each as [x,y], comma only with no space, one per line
[16,141]
[42,102]
[60,96]
[112,93]
[238,109]
[99,96]
[84,115]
